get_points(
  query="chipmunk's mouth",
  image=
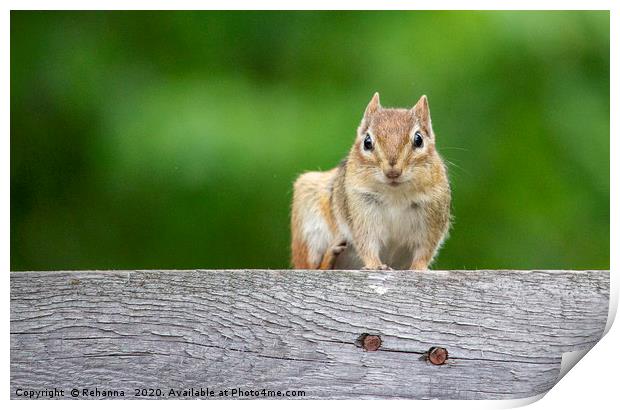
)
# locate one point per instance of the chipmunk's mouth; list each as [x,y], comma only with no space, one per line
[393,183]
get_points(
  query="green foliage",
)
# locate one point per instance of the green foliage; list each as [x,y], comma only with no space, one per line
[171,139]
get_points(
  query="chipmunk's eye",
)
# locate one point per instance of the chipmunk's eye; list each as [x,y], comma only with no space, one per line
[368,143]
[417,140]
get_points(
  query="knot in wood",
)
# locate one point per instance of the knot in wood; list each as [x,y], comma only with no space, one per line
[368,342]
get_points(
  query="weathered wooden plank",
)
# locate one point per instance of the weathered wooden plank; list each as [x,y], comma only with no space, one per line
[296,330]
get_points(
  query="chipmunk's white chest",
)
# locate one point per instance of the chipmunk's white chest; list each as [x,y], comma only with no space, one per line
[398,225]
[400,228]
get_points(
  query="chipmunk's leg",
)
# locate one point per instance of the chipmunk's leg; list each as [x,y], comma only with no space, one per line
[419,265]
[422,257]
[368,251]
[329,258]
[312,226]
[310,245]
[425,250]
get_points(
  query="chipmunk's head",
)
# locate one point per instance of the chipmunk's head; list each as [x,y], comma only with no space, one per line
[395,146]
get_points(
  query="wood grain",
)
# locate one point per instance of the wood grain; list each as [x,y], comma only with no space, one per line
[505,331]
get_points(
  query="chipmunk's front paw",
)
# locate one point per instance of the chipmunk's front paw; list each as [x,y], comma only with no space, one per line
[419,265]
[338,249]
[377,267]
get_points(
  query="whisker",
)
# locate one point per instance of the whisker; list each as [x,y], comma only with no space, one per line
[457,148]
[458,167]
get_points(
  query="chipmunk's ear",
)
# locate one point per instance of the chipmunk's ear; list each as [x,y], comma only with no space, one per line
[373,106]
[421,110]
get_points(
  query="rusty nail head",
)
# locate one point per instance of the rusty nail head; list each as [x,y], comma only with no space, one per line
[368,342]
[437,355]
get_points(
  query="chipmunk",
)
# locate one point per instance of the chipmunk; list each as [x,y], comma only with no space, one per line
[387,205]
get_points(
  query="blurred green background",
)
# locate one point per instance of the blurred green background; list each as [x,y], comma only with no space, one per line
[171,139]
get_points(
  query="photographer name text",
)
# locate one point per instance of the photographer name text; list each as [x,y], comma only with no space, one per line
[88,393]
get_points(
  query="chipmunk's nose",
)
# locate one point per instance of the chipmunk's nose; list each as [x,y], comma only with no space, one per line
[393,173]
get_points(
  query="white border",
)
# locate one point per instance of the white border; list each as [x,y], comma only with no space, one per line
[594,381]
[311,5]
